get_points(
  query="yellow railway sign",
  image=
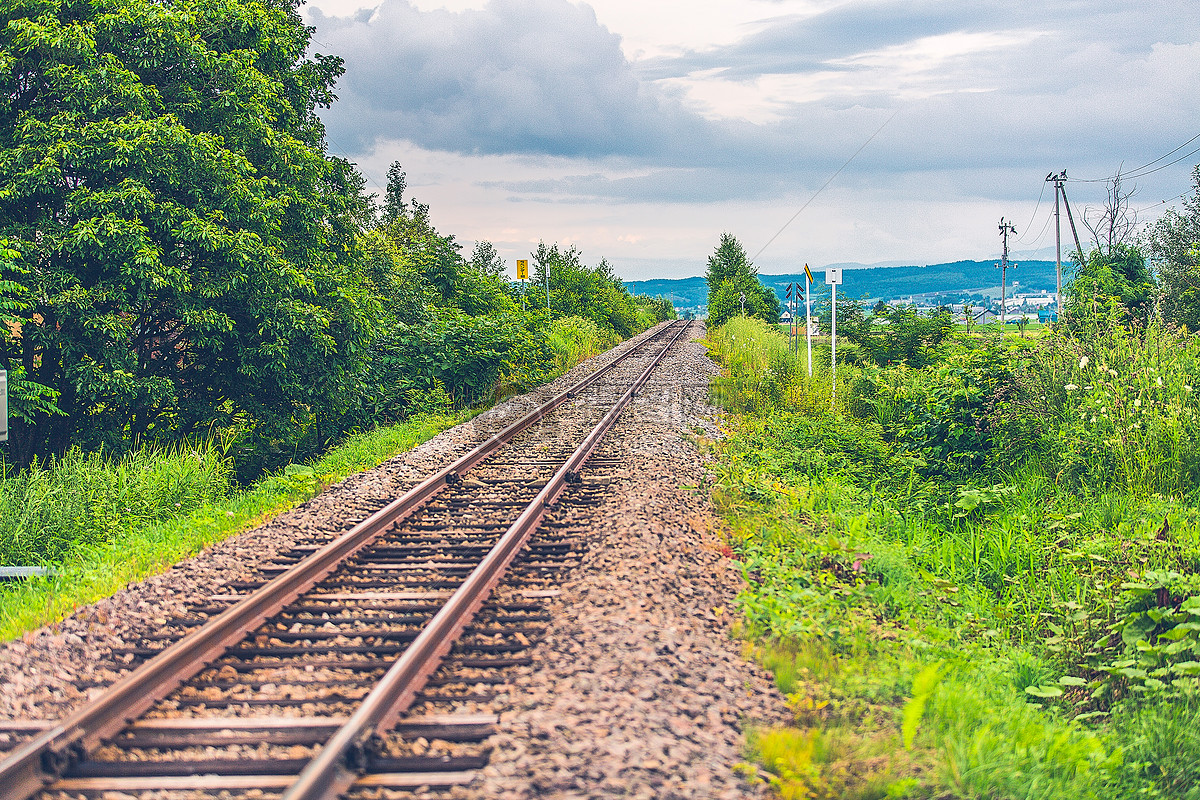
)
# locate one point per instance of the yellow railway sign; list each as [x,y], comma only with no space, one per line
[522,269]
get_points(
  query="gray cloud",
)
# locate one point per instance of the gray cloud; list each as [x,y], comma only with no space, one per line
[519,76]
[1102,81]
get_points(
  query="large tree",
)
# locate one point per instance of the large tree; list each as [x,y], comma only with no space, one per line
[1174,245]
[185,247]
[732,281]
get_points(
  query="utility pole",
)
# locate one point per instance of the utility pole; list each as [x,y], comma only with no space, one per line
[1005,229]
[1059,181]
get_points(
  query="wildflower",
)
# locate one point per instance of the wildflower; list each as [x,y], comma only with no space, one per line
[1070,387]
[1083,362]
[1187,387]
[1112,372]
[1137,403]
[1158,380]
[177,505]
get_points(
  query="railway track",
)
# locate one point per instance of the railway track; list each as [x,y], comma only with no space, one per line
[365,662]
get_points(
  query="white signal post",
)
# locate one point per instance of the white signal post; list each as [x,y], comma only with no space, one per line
[833,277]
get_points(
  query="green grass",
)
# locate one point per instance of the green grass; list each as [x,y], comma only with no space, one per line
[103,562]
[574,339]
[947,626]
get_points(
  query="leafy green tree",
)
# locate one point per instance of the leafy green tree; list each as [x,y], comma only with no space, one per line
[1174,247]
[1119,276]
[892,334]
[731,277]
[594,293]
[486,261]
[186,244]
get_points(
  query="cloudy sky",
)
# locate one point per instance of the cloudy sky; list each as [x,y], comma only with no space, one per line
[639,130]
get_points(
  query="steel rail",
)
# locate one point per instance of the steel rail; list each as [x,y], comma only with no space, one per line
[43,759]
[343,758]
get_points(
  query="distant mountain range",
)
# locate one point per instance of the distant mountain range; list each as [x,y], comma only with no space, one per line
[933,284]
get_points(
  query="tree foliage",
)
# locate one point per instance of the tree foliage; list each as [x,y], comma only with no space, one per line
[732,281]
[183,238]
[594,293]
[891,334]
[1113,276]
[1174,247]
[179,255]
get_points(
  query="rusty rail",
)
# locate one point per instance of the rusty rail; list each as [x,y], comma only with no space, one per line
[340,761]
[39,762]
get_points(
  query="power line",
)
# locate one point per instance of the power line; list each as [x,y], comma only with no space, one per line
[1041,194]
[1173,152]
[1041,233]
[824,185]
[1162,203]
[1138,173]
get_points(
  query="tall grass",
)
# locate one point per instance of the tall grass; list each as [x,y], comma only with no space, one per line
[1125,404]
[84,500]
[762,373]
[574,339]
[95,566]
[898,534]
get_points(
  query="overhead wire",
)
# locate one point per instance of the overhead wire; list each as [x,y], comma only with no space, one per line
[1041,194]
[1161,203]
[826,184]
[1041,233]
[1138,171]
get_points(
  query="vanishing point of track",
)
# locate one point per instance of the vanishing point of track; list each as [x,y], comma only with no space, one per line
[355,638]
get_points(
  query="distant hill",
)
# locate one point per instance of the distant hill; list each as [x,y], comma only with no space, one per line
[950,281]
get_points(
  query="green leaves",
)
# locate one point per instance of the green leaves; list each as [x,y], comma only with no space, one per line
[732,281]
[187,249]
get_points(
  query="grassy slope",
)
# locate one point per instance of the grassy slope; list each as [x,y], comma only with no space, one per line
[942,640]
[93,571]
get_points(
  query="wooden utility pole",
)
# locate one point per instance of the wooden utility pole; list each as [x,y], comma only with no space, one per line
[1005,229]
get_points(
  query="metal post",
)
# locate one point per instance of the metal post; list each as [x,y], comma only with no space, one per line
[1005,229]
[808,319]
[3,405]
[549,313]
